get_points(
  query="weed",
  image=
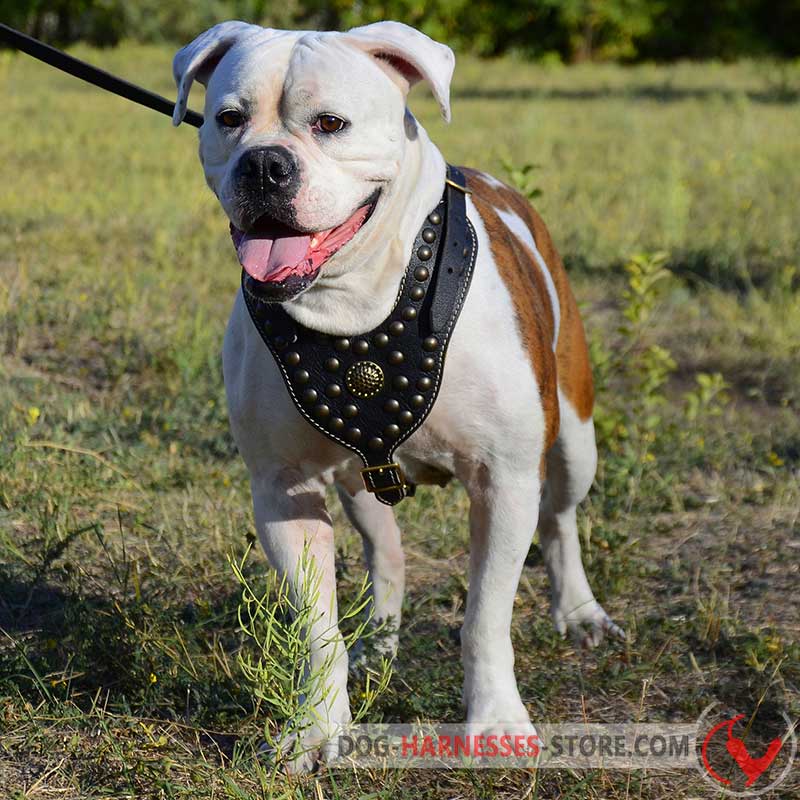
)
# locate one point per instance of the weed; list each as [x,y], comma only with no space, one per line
[282,622]
[522,177]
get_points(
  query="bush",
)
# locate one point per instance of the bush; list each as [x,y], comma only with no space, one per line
[576,30]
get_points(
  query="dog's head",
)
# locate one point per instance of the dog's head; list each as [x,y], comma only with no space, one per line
[303,131]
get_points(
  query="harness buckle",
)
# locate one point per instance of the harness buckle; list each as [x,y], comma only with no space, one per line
[384,478]
[458,186]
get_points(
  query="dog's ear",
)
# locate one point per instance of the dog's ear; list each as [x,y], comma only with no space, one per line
[410,55]
[197,60]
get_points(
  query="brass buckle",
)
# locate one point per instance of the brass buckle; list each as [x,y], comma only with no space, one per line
[457,186]
[379,469]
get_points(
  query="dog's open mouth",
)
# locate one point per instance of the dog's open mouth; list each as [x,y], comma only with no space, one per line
[275,255]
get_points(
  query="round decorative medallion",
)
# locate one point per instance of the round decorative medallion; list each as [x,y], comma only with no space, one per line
[364,379]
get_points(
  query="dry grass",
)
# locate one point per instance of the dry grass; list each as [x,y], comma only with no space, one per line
[121,494]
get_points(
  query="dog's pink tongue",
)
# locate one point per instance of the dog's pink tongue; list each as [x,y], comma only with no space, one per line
[264,256]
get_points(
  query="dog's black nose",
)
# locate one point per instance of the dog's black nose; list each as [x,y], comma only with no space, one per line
[270,169]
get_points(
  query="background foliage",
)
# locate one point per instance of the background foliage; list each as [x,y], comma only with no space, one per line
[570,30]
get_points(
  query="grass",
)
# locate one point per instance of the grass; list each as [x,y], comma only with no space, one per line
[121,496]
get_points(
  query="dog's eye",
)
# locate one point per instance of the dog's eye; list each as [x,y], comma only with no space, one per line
[230,118]
[328,123]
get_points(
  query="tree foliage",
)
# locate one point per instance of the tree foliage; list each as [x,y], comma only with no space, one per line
[572,30]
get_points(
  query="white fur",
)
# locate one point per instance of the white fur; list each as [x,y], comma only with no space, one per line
[522,232]
[487,426]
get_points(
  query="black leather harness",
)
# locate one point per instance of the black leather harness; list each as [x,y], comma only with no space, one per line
[371,391]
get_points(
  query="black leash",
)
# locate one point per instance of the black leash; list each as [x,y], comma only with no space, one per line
[86,72]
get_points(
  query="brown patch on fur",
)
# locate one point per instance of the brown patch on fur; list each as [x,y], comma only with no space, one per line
[531,300]
[529,295]
[572,354]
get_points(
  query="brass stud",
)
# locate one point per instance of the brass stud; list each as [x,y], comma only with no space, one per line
[391,431]
[375,443]
[380,339]
[430,343]
[336,424]
[396,328]
[429,235]
[342,344]
[421,274]
[353,435]
[280,342]
[409,313]
[360,346]
[417,293]
[292,359]
[322,411]
[333,390]
[424,383]
[424,253]
[332,364]
[364,379]
[309,397]
[391,406]
[395,357]
[435,218]
[428,363]
[266,326]
[350,411]
[301,376]
[400,382]
[465,252]
[417,400]
[406,417]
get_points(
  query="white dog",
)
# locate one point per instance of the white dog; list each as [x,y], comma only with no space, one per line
[326,178]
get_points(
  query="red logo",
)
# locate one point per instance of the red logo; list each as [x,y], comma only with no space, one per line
[728,760]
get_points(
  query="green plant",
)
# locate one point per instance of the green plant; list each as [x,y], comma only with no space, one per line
[708,398]
[631,376]
[522,177]
[281,623]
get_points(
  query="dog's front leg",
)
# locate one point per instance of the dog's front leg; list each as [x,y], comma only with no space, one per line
[290,517]
[384,554]
[504,505]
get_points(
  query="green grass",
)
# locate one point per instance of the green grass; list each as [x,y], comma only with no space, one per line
[121,494]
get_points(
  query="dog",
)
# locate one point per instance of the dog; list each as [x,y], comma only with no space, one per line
[326,177]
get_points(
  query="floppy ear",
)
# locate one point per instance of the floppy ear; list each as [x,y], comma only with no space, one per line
[197,60]
[410,53]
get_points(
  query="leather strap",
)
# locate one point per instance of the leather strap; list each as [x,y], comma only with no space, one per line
[94,75]
[369,392]
[452,263]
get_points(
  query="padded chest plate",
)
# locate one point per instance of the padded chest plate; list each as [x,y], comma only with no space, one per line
[369,392]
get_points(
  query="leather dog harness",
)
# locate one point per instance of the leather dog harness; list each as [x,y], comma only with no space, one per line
[371,391]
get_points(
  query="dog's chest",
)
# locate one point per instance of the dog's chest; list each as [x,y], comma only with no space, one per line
[488,400]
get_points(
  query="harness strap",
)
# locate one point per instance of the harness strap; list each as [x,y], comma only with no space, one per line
[450,270]
[94,75]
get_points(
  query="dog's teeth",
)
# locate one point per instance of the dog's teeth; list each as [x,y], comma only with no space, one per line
[314,241]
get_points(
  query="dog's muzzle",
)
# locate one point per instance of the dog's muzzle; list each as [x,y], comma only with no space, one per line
[266,181]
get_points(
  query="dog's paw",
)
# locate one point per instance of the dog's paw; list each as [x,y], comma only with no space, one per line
[304,751]
[521,738]
[495,704]
[587,625]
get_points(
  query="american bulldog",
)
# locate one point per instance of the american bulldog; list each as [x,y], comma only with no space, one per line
[326,177]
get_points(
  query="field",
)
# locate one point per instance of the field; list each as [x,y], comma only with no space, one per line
[121,494]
